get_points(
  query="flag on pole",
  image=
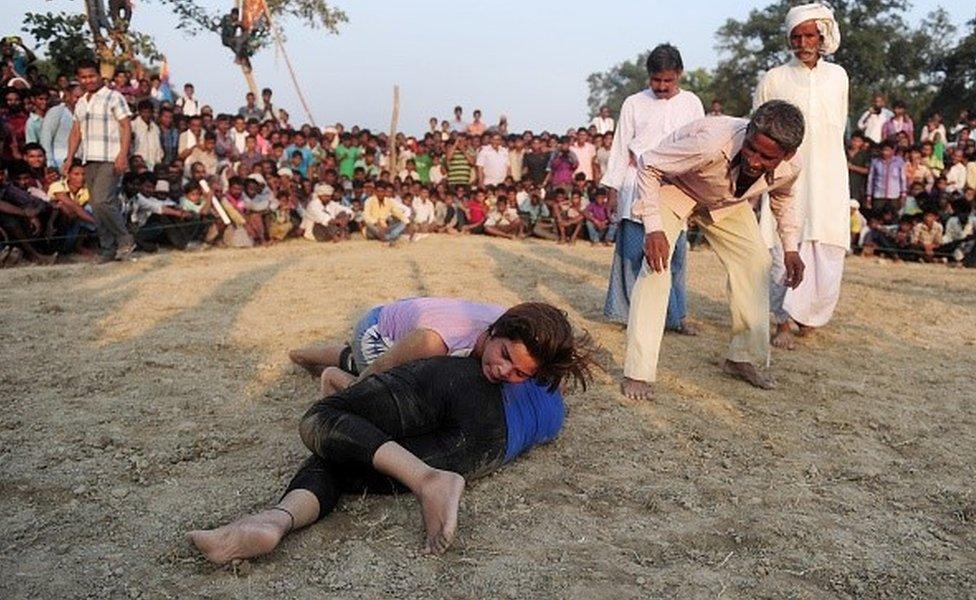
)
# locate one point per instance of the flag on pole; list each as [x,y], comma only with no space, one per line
[253,11]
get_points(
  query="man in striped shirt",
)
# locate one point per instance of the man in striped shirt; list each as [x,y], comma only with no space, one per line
[103,132]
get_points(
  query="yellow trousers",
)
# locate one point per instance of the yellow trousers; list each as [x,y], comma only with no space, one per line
[739,245]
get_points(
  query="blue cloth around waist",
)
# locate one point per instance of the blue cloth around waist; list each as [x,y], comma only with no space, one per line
[370,318]
[533,416]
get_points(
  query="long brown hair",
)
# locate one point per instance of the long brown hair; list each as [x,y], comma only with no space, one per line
[548,336]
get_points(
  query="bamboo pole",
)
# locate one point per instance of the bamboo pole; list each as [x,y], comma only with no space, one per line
[291,70]
[393,131]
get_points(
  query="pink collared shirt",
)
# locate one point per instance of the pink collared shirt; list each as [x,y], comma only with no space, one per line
[697,161]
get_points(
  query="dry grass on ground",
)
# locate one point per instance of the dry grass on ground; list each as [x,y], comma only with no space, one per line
[145,399]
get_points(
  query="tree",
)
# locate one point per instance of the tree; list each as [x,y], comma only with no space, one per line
[67,39]
[194,18]
[958,89]
[612,87]
[879,50]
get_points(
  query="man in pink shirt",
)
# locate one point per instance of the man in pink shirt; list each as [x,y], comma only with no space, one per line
[712,170]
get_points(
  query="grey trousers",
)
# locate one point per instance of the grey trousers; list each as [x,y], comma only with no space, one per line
[103,185]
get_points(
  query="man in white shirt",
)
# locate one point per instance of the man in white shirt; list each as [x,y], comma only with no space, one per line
[956,174]
[189,104]
[646,118]
[146,140]
[820,90]
[585,152]
[872,121]
[492,162]
[603,121]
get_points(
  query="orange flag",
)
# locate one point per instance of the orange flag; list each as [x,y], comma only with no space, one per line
[253,10]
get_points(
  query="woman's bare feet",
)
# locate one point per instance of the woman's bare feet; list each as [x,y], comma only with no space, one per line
[315,358]
[251,536]
[748,373]
[335,380]
[636,390]
[783,337]
[440,497]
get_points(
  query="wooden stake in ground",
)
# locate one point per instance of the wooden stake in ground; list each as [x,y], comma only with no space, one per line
[393,131]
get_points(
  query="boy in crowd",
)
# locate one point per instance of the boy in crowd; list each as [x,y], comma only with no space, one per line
[503,221]
[599,225]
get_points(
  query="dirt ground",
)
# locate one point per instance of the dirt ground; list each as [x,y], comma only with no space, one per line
[142,400]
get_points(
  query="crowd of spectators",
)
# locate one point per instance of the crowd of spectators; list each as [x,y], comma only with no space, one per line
[196,177]
[913,190]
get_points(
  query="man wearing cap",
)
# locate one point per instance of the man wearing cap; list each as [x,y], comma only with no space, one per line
[819,89]
[323,222]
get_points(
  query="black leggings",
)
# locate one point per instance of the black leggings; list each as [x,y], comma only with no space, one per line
[443,410]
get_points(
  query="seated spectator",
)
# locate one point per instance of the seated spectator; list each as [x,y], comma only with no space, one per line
[69,198]
[25,219]
[569,215]
[382,219]
[599,226]
[956,174]
[858,225]
[199,204]
[448,215]
[886,191]
[156,219]
[423,220]
[204,154]
[927,235]
[958,239]
[503,221]
[538,219]
[319,224]
[474,214]
[248,228]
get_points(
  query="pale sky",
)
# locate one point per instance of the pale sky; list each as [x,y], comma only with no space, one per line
[527,59]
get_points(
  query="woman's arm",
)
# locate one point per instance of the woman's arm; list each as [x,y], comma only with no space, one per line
[419,343]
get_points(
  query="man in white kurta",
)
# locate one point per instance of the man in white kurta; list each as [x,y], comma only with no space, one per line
[820,90]
[646,118]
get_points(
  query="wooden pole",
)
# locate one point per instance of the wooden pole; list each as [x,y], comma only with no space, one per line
[249,78]
[393,131]
[291,71]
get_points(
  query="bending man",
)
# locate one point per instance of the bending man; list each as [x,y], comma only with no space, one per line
[711,171]
[424,426]
[819,89]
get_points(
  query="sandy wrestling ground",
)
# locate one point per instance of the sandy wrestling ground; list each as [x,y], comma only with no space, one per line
[142,400]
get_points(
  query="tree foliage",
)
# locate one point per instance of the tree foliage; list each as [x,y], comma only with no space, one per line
[66,39]
[958,90]
[194,18]
[880,50]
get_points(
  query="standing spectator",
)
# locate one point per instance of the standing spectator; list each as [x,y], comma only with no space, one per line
[476,127]
[561,166]
[103,132]
[347,153]
[492,162]
[189,104]
[460,161]
[585,154]
[458,123]
[191,137]
[934,131]
[169,136]
[715,110]
[886,184]
[900,122]
[603,121]
[536,163]
[956,174]
[516,155]
[146,137]
[56,127]
[858,166]
[38,98]
[250,110]
[17,60]
[872,121]
[267,107]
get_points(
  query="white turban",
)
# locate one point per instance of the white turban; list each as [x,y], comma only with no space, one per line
[826,24]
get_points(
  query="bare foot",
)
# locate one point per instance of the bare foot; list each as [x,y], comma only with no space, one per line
[440,497]
[334,380]
[686,328]
[251,536]
[805,330]
[783,338]
[310,359]
[748,373]
[636,390]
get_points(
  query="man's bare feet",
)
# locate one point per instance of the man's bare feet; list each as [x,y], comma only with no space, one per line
[440,497]
[251,536]
[748,373]
[310,359]
[805,330]
[686,328]
[783,338]
[636,390]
